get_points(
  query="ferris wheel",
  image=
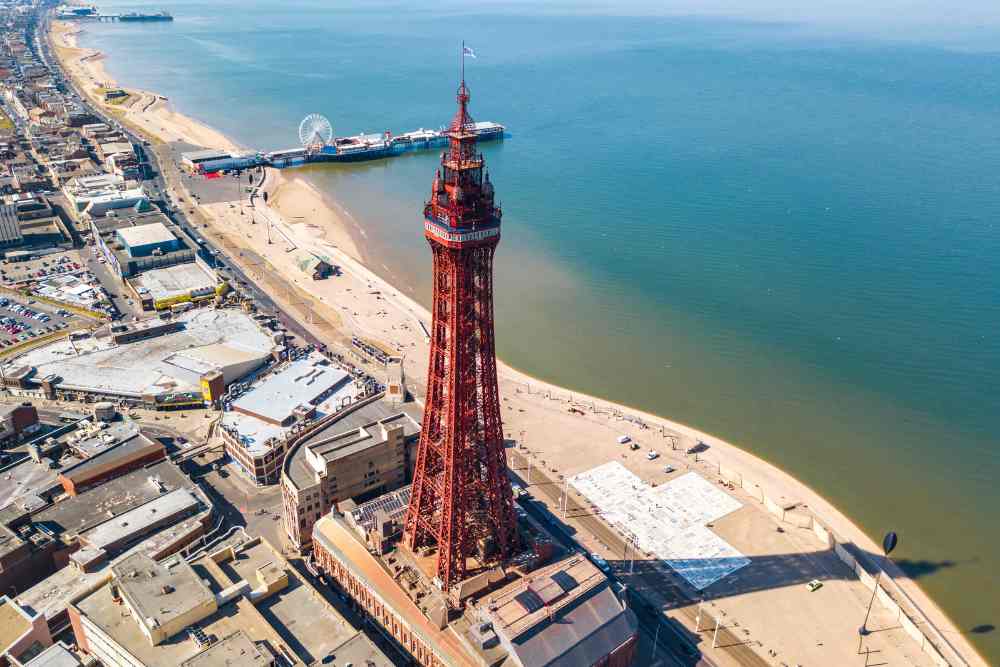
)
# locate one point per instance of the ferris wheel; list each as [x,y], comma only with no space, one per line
[315,130]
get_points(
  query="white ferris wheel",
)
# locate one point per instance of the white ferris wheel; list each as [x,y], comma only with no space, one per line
[315,131]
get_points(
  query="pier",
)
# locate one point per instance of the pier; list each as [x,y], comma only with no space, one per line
[107,18]
[319,145]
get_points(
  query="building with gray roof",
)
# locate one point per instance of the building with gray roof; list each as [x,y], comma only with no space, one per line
[363,452]
[241,605]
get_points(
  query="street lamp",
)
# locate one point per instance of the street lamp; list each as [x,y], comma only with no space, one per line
[889,543]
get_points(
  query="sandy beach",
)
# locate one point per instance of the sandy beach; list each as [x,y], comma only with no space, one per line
[300,225]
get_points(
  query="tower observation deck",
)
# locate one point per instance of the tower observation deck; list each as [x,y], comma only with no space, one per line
[461,499]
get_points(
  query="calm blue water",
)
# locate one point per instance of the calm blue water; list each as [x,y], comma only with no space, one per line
[783,235]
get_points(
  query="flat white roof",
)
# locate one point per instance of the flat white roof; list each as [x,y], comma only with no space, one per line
[173,280]
[173,362]
[142,235]
[254,434]
[302,381]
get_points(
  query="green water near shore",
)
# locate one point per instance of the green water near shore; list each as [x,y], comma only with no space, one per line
[782,236]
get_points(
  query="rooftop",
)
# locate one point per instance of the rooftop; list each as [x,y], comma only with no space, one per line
[236,649]
[143,235]
[77,514]
[257,416]
[25,479]
[305,381]
[13,623]
[106,447]
[325,451]
[203,155]
[336,538]
[165,508]
[173,281]
[52,595]
[297,468]
[56,655]
[562,614]
[160,593]
[210,339]
[235,599]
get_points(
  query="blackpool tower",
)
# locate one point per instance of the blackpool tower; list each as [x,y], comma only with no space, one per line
[461,499]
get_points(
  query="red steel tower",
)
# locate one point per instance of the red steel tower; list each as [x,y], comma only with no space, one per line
[461,498]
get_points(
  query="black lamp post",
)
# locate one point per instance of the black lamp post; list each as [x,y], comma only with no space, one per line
[889,543]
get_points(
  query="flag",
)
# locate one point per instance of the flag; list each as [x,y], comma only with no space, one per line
[467,51]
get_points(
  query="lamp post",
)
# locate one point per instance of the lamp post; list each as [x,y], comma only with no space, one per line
[889,543]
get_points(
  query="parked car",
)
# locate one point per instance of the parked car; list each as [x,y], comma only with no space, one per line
[652,455]
[601,564]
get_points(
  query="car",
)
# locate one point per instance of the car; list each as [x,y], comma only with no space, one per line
[668,469]
[624,439]
[652,455]
[601,564]
[697,449]
[814,585]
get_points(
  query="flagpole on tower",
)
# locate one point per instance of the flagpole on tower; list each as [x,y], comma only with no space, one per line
[463,61]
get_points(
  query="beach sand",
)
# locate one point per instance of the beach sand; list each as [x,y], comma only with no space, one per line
[305,225]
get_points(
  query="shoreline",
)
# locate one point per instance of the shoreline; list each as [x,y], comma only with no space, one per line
[329,229]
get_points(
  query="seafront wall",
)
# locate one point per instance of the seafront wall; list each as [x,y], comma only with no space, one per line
[888,592]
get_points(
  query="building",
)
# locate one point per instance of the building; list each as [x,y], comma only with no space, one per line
[24,635]
[10,227]
[141,241]
[243,604]
[29,221]
[159,289]
[260,419]
[193,160]
[156,364]
[107,451]
[526,614]
[155,504]
[57,655]
[366,450]
[148,239]
[17,421]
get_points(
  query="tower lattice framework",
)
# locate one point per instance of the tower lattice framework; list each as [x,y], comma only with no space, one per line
[461,498]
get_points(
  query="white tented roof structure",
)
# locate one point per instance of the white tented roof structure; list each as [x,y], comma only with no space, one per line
[668,521]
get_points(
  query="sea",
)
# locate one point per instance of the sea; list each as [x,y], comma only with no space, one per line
[783,232]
